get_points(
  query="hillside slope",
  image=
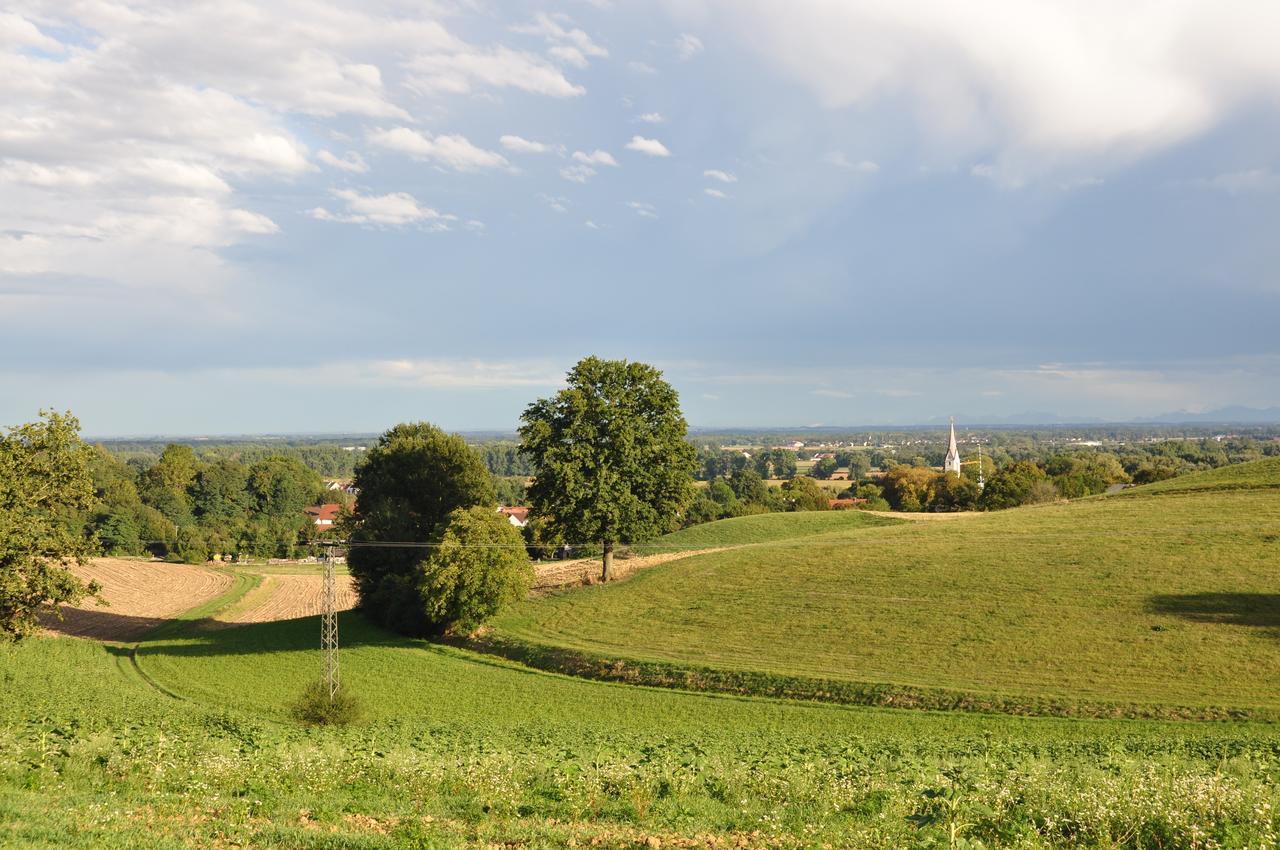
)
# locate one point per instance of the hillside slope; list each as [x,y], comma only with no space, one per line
[1159,598]
[764,528]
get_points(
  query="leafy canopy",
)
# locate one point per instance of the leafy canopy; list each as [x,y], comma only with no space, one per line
[44,471]
[478,567]
[409,483]
[611,463]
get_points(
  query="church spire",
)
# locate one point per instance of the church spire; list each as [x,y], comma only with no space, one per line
[952,462]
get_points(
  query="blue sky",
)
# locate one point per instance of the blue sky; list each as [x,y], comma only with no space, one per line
[289,216]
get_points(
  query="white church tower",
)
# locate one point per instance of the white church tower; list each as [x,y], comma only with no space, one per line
[952,463]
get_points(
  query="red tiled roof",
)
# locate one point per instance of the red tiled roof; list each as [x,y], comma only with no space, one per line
[321,513]
[518,511]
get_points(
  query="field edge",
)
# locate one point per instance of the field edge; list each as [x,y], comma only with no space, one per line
[698,678]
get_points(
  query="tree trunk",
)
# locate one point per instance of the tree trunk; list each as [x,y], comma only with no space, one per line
[607,574]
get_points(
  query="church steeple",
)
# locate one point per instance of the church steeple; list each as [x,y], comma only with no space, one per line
[952,462]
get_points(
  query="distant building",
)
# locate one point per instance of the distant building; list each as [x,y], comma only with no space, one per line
[952,461]
[517,515]
[323,516]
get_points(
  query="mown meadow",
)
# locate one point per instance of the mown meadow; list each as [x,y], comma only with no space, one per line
[1160,600]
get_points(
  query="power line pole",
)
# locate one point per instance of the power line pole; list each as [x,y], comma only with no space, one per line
[329,627]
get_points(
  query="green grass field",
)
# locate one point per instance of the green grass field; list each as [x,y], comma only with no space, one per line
[1145,601]
[462,750]
[765,528]
[186,741]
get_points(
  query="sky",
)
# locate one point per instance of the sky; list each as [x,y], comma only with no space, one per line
[268,217]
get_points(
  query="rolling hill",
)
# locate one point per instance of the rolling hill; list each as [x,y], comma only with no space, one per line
[1160,600]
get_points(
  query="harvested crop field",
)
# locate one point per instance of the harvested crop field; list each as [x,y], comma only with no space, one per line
[587,570]
[284,597]
[140,595]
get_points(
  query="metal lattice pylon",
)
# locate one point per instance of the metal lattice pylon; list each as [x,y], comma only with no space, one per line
[329,627]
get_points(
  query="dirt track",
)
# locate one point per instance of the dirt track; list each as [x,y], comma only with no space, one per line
[587,570]
[140,594]
[285,597]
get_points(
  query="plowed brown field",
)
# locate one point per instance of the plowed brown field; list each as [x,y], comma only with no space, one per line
[140,595]
[284,597]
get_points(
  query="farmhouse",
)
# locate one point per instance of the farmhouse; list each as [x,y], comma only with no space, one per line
[323,515]
[517,515]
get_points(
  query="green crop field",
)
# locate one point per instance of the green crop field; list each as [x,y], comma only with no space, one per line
[1164,602]
[185,740]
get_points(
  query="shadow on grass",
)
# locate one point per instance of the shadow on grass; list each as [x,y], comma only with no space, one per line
[301,634]
[1261,610]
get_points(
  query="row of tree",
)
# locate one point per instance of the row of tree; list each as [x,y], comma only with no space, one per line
[191,510]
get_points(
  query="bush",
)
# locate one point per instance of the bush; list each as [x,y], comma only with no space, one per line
[478,566]
[315,708]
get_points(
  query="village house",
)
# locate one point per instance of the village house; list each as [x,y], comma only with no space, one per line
[325,515]
[517,515]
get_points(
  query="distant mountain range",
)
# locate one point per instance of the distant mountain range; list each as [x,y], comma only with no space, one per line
[1235,414]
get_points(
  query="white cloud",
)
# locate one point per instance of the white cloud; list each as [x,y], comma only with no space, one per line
[984,170]
[397,209]
[453,151]
[463,70]
[596,157]
[577,173]
[412,372]
[251,222]
[1243,182]
[715,193]
[638,67]
[643,209]
[1035,83]
[17,31]
[651,118]
[688,46]
[722,176]
[128,130]
[518,144]
[559,29]
[569,55]
[651,147]
[591,225]
[559,204]
[352,161]
[838,159]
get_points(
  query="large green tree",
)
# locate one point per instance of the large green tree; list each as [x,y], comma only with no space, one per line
[409,483]
[610,458]
[44,473]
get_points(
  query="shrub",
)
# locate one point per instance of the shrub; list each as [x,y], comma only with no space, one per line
[477,567]
[805,494]
[315,708]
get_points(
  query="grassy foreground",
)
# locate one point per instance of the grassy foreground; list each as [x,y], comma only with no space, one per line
[1157,601]
[462,751]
